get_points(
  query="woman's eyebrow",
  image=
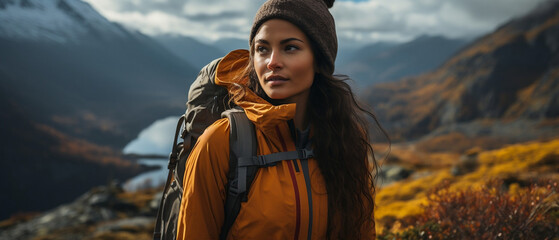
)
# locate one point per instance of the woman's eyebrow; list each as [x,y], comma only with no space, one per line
[290,39]
[263,41]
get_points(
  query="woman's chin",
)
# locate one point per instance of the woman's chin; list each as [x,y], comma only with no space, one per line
[277,96]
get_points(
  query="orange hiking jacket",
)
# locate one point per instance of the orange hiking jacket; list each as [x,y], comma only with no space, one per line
[286,201]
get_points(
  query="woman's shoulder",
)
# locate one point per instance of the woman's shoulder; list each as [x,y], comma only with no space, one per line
[211,151]
[217,132]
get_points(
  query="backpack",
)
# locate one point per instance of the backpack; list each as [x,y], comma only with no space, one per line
[208,102]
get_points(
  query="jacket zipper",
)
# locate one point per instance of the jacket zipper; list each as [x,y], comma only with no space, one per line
[295,188]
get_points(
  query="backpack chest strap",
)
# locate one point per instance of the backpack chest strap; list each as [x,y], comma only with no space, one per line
[272,159]
[267,161]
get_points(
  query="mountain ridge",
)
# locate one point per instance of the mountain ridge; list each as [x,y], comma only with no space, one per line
[198,55]
[73,97]
[508,75]
[58,21]
[88,72]
[386,62]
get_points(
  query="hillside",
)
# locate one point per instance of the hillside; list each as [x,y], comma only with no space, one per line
[74,89]
[518,166]
[190,50]
[386,62]
[504,85]
[41,167]
[72,69]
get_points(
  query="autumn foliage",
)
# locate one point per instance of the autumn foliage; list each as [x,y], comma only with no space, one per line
[493,211]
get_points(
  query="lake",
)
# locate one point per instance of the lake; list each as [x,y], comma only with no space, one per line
[156,139]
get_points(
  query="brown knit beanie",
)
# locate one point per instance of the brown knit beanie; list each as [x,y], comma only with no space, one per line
[311,16]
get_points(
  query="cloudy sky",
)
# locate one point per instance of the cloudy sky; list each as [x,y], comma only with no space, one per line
[362,21]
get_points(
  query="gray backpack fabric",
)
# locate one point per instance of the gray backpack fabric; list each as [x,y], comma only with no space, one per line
[208,102]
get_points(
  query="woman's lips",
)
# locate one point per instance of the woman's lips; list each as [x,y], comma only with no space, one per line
[275,80]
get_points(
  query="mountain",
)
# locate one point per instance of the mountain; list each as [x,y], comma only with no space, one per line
[74,89]
[41,167]
[348,53]
[383,62]
[59,21]
[504,85]
[90,78]
[229,44]
[190,50]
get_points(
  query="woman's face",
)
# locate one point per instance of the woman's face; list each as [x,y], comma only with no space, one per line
[283,61]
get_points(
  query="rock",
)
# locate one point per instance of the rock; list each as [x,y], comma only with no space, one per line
[392,173]
[127,224]
[466,164]
[90,208]
[100,200]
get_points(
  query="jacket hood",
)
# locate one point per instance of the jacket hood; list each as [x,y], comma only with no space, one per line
[263,114]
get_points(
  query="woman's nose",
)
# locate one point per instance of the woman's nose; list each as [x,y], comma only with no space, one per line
[275,61]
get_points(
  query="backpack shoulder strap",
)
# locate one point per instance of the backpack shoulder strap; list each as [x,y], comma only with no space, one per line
[242,143]
[173,160]
[244,163]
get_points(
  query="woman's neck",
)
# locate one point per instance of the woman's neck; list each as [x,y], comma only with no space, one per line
[300,119]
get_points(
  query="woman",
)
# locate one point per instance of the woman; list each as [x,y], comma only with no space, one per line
[286,86]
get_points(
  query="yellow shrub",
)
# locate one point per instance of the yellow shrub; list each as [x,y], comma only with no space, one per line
[407,198]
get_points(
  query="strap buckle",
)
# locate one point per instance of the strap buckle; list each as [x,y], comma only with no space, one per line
[305,153]
[261,161]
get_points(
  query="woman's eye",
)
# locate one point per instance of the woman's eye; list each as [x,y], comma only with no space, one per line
[261,49]
[291,48]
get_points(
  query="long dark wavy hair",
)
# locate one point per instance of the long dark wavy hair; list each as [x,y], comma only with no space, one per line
[341,146]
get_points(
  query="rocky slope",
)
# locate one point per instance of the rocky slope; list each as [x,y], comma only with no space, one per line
[505,84]
[104,212]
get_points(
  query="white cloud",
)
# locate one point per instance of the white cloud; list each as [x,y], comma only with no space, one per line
[406,19]
[371,20]
[208,19]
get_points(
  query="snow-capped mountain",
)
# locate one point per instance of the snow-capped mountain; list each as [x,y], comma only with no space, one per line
[70,78]
[60,21]
[62,63]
